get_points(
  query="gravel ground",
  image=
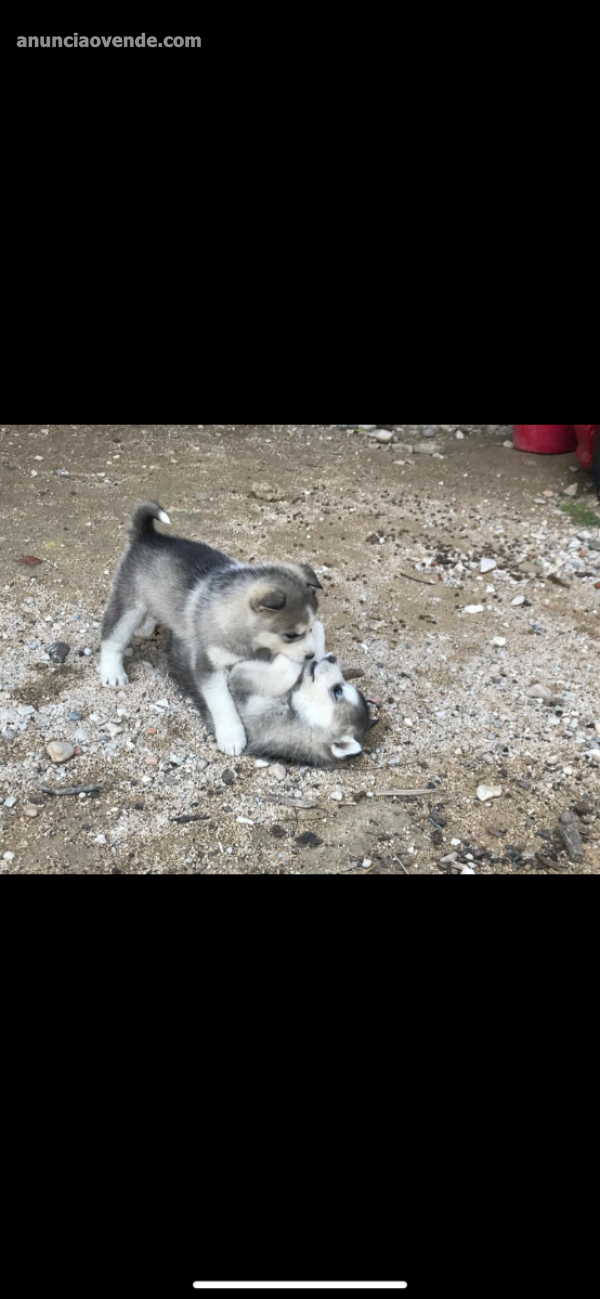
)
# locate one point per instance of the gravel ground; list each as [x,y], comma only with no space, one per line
[397,522]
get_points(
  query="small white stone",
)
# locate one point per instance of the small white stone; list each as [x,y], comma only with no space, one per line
[261,762]
[485,792]
[10,802]
[519,599]
[367,862]
[278,771]
[161,704]
[337,796]
[572,490]
[500,641]
[473,608]
[487,565]
[100,838]
[383,435]
[466,870]
[9,856]
[459,435]
[60,751]
[244,820]
[539,692]
[113,729]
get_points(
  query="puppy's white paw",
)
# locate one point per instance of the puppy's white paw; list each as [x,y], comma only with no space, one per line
[283,674]
[231,739]
[113,673]
[114,679]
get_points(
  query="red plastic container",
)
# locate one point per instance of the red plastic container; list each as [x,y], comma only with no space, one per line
[586,438]
[545,439]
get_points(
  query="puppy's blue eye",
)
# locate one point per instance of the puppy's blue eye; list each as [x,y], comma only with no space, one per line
[337,693]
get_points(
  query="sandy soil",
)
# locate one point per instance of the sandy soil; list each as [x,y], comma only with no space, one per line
[454,708]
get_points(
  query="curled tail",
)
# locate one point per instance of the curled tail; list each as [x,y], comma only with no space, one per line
[142,520]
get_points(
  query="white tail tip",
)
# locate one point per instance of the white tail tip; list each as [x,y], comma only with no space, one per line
[164,518]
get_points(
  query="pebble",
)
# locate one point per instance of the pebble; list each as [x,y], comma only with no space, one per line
[176,761]
[81,735]
[87,651]
[487,565]
[508,444]
[485,792]
[459,435]
[9,856]
[473,608]
[100,838]
[31,811]
[228,776]
[500,641]
[62,473]
[74,716]
[59,651]
[278,771]
[60,750]
[8,735]
[261,762]
[519,599]
[337,796]
[203,764]
[572,490]
[25,710]
[264,492]
[569,832]
[150,760]
[594,753]
[10,802]
[425,448]
[113,729]
[161,704]
[466,870]
[382,435]
[539,692]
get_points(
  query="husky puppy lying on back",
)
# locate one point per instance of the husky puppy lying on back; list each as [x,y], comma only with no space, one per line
[221,613]
[308,714]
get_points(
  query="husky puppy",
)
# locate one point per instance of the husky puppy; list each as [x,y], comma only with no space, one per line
[308,714]
[220,611]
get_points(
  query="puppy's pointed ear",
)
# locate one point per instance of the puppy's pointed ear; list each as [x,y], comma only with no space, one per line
[346,747]
[268,601]
[311,577]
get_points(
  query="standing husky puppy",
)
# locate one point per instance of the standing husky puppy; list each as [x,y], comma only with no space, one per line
[303,714]
[221,613]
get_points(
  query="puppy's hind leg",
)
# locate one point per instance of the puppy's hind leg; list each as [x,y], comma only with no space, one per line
[118,628]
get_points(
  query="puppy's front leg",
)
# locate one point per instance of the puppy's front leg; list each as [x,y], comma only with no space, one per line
[229,732]
[319,638]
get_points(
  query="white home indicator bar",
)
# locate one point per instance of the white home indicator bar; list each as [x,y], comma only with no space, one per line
[299,1285]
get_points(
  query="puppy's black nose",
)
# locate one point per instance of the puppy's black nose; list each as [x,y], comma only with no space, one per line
[331,658]
[308,657]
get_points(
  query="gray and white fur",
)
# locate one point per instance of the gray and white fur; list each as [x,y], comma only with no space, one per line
[307,714]
[221,613]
